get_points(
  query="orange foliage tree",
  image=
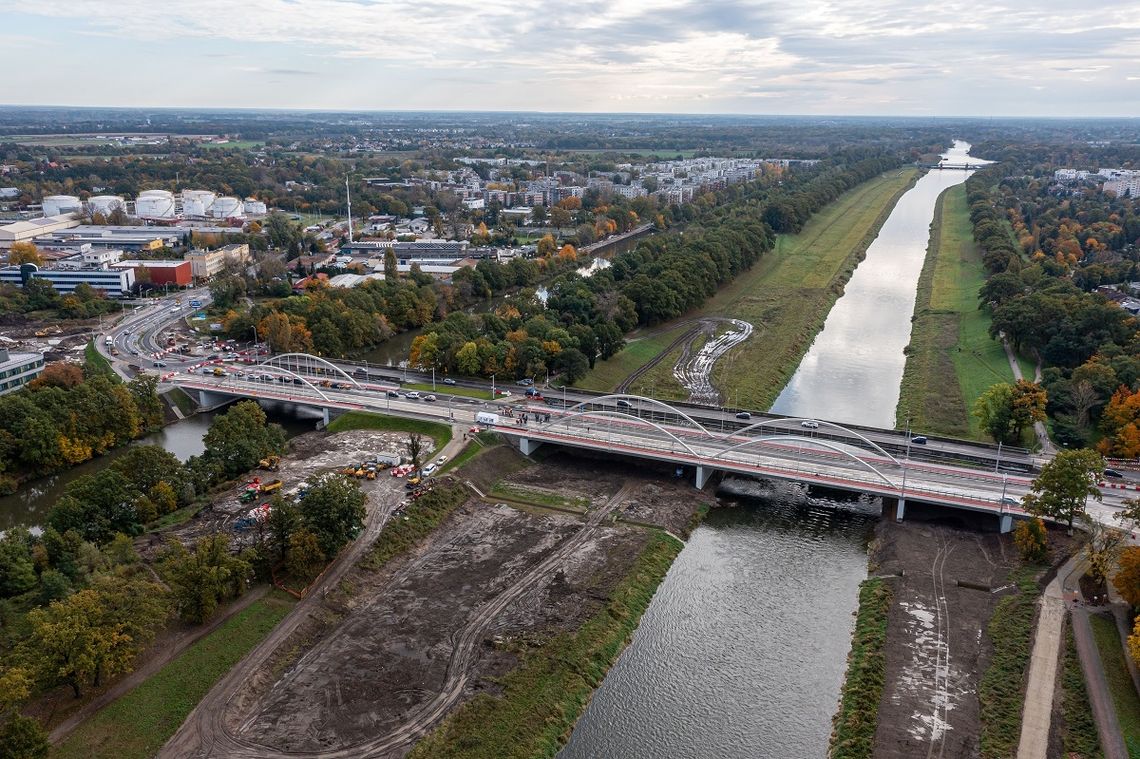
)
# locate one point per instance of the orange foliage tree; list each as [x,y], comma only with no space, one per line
[1127,580]
[1121,425]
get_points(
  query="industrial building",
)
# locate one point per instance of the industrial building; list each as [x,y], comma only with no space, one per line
[18,369]
[160,272]
[114,282]
[32,229]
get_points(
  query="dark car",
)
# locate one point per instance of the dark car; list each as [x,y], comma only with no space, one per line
[1113,473]
[744,415]
[393,394]
[919,440]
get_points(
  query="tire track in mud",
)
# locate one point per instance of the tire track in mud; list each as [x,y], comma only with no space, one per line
[224,742]
[694,370]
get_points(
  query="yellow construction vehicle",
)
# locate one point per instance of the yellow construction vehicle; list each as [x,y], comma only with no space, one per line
[271,487]
[270,462]
[371,474]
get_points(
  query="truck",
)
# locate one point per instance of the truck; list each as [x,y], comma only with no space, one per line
[108,340]
[271,487]
[487,419]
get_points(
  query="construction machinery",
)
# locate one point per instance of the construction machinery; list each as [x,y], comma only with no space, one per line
[270,463]
[271,487]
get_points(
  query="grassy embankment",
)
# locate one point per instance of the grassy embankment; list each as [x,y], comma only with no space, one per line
[96,361]
[1078,727]
[483,441]
[423,516]
[363,420]
[180,399]
[467,392]
[1001,691]
[1124,696]
[606,375]
[541,699]
[511,492]
[786,296]
[950,335]
[137,724]
[853,736]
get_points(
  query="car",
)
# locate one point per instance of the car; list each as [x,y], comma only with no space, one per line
[393,394]
[919,440]
[134,352]
[505,393]
[1008,501]
[158,363]
[1113,473]
[624,403]
[743,415]
[809,424]
[428,469]
[441,460]
[413,395]
[525,382]
[430,398]
[448,381]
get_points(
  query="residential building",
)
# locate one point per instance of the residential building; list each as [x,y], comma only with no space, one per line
[205,264]
[18,369]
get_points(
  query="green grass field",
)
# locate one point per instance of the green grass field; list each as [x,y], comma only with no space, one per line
[362,420]
[950,335]
[857,718]
[514,492]
[1124,696]
[139,723]
[485,441]
[659,381]
[466,392]
[1078,726]
[639,350]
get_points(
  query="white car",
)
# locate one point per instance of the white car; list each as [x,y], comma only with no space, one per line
[809,424]
[413,395]
[428,469]
[441,460]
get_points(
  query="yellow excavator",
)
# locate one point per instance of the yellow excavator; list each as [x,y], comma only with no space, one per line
[270,463]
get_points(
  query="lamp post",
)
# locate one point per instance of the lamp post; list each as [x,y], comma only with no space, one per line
[997,464]
[492,387]
[1001,501]
[907,443]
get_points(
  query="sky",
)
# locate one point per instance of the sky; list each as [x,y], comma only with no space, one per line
[842,57]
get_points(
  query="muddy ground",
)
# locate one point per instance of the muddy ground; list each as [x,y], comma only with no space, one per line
[953,574]
[371,659]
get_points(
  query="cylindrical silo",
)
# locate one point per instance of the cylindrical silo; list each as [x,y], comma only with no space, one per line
[54,205]
[227,208]
[195,203]
[105,204]
[254,207]
[155,204]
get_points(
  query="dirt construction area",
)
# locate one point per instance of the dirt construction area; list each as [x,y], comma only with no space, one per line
[952,579]
[390,652]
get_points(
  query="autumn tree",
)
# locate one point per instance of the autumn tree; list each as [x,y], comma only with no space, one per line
[1120,423]
[304,558]
[59,374]
[1102,549]
[24,253]
[567,254]
[546,246]
[1006,410]
[1127,580]
[1065,484]
[1134,642]
[1031,539]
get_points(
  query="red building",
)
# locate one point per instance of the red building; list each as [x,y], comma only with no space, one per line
[160,273]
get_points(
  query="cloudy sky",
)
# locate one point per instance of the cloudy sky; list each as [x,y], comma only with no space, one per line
[904,57]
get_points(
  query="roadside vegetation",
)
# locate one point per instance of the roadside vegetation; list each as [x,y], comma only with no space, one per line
[362,420]
[1078,727]
[541,699]
[510,491]
[481,442]
[466,392]
[638,351]
[1124,696]
[95,362]
[426,513]
[1001,690]
[950,336]
[853,736]
[137,724]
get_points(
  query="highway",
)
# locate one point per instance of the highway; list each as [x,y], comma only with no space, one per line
[795,453]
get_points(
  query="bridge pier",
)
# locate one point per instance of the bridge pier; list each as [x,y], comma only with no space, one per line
[1005,523]
[900,509]
[528,446]
[208,400]
[703,475]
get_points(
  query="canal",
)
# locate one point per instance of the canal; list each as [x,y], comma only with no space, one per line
[742,652]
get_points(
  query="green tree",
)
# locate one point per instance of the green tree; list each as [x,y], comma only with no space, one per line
[240,437]
[17,574]
[333,510]
[97,506]
[994,410]
[284,520]
[304,558]
[467,359]
[391,272]
[203,578]
[145,466]
[1065,484]
[415,449]
[23,738]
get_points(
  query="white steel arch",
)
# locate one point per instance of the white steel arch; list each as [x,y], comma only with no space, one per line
[651,401]
[812,441]
[773,422]
[282,370]
[318,359]
[617,415]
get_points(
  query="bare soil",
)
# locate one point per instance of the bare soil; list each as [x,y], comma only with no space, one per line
[384,647]
[952,579]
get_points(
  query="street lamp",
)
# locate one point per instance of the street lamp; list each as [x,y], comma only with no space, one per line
[493,387]
[907,442]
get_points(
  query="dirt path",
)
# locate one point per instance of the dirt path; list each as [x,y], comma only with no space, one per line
[1039,429]
[694,370]
[1100,699]
[169,650]
[687,336]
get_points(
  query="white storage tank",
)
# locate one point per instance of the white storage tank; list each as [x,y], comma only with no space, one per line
[254,207]
[54,205]
[226,207]
[196,203]
[155,204]
[105,204]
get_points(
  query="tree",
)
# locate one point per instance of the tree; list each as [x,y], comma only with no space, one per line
[59,374]
[17,574]
[1031,539]
[1103,549]
[1065,484]
[994,410]
[1127,580]
[24,253]
[391,272]
[333,510]
[1120,423]
[304,558]
[1028,403]
[240,437]
[546,245]
[415,449]
[1134,642]
[202,578]
[284,520]
[23,738]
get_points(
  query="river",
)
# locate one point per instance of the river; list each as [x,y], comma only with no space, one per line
[742,651]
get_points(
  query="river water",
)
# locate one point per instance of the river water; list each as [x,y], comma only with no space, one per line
[742,652]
